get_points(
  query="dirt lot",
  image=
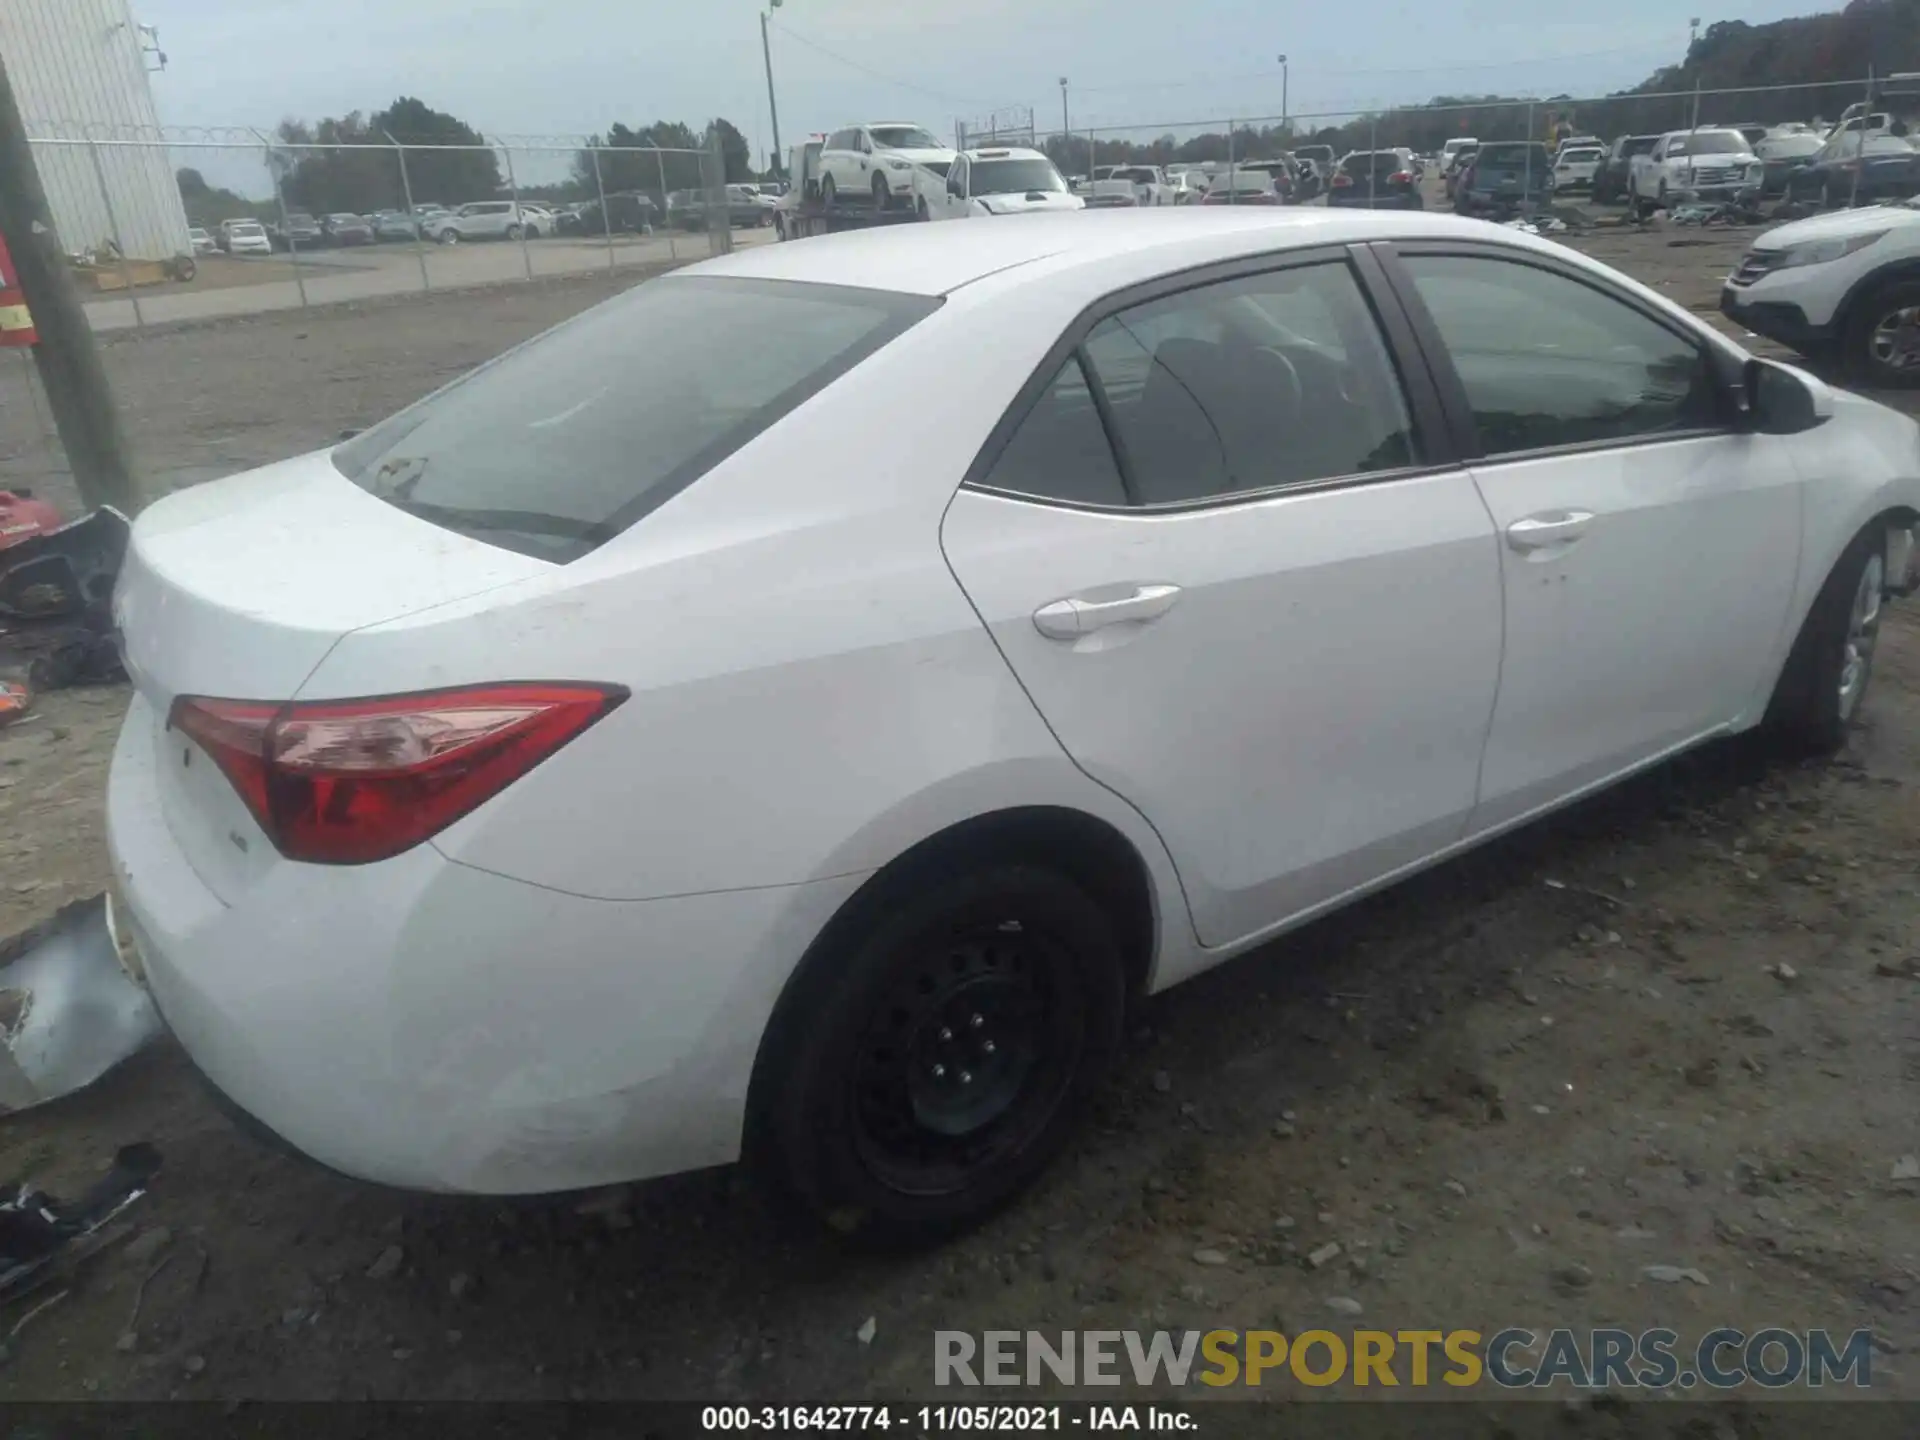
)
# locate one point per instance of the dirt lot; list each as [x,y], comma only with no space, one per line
[1680,1026]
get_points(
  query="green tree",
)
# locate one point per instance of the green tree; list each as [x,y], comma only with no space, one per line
[453,162]
[735,153]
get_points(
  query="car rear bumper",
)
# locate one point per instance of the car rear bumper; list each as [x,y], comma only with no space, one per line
[424,1024]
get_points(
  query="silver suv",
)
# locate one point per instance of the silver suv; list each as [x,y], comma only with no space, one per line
[482,220]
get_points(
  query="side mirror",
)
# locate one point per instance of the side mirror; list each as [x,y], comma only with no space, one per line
[953,186]
[1780,400]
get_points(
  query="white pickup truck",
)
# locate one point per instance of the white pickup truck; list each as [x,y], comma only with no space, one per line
[1003,181]
[1693,165]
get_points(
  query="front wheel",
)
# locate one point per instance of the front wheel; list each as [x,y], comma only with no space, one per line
[514,232]
[828,192]
[934,1064]
[449,237]
[1881,344]
[923,211]
[1821,688]
[882,194]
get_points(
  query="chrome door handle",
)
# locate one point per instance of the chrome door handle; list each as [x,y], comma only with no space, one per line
[1066,619]
[1544,531]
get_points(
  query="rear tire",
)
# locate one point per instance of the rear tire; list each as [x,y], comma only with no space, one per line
[925,1071]
[449,237]
[1883,332]
[1824,682]
[828,192]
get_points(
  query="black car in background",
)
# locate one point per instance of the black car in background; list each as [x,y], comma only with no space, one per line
[1506,175]
[1610,180]
[1844,180]
[299,229]
[344,230]
[627,212]
[1374,180]
[687,209]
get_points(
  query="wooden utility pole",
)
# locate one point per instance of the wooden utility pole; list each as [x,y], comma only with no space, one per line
[70,369]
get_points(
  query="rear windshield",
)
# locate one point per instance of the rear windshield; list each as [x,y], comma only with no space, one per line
[1381,162]
[903,137]
[1514,153]
[1252,180]
[1640,144]
[1580,156]
[562,443]
[1013,177]
[1709,142]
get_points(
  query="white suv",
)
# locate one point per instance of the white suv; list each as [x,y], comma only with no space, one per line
[1693,165]
[482,220]
[999,182]
[880,162]
[1844,285]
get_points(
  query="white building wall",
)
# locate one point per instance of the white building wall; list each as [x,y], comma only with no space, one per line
[79,74]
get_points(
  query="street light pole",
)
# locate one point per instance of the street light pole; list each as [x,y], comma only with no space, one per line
[1286,111]
[773,109]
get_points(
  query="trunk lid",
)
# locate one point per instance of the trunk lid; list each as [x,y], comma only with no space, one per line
[238,589]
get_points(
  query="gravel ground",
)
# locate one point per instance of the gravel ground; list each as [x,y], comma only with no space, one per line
[1679,1026]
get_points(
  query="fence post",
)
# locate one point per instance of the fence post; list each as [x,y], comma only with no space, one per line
[1526,185]
[280,197]
[666,214]
[519,220]
[413,222]
[600,186]
[714,172]
[1373,148]
[113,227]
[1233,132]
[1860,160]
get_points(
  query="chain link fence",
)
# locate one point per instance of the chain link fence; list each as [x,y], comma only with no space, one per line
[191,225]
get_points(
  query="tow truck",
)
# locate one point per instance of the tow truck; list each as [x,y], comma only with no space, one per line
[803,212]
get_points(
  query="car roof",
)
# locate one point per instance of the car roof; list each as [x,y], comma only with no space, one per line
[1703,130]
[1003,152]
[939,259]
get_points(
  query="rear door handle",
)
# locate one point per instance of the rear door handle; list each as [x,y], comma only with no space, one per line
[1549,529]
[1066,619]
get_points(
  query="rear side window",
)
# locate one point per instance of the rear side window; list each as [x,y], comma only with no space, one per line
[1243,385]
[560,444]
[1060,451]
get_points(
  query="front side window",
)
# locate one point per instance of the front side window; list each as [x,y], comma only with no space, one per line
[1247,384]
[559,445]
[1548,361]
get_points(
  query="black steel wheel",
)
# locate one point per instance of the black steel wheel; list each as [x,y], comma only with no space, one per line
[927,1073]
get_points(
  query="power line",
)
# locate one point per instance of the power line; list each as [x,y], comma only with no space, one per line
[868,71]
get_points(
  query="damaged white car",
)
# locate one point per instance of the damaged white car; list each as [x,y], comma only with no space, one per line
[603,768]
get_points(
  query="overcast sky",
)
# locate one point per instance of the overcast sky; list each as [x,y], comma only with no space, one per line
[516,67]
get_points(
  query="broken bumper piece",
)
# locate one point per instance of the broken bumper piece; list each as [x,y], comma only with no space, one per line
[69,1010]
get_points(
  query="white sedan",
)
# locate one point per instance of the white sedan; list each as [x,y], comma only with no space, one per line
[602,769]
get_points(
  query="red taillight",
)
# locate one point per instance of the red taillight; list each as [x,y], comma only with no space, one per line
[346,782]
[1400,177]
[1341,182]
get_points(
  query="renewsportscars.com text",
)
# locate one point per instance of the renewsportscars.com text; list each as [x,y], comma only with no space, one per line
[1512,1359]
